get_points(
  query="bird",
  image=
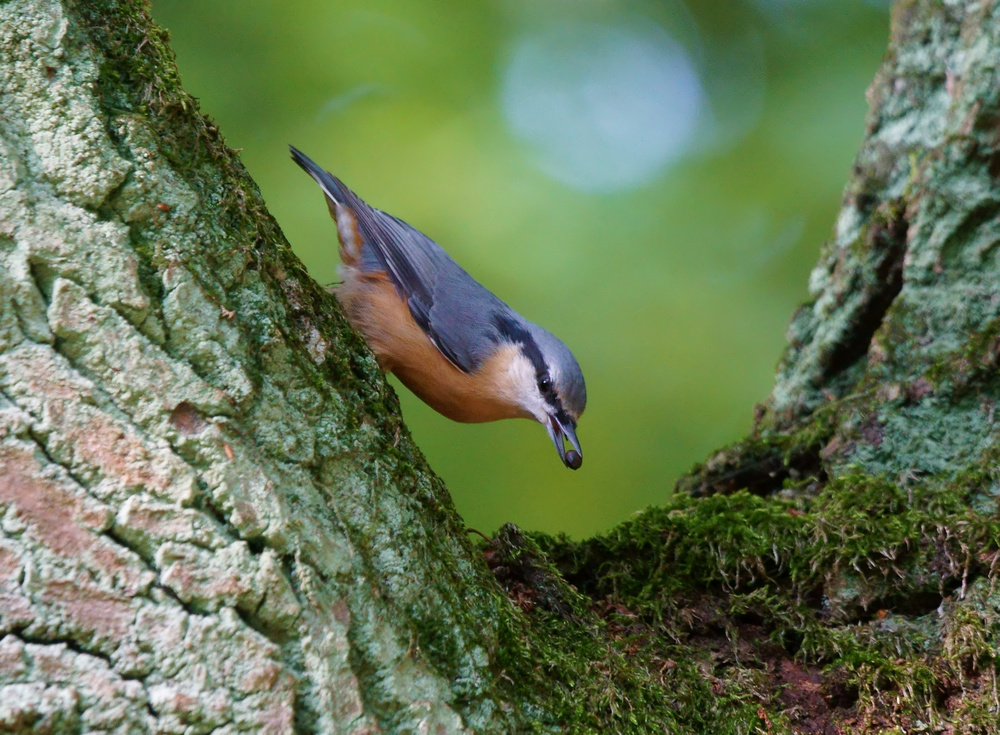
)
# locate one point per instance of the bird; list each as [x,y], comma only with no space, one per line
[449,340]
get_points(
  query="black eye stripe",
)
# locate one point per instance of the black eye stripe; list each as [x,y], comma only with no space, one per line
[514,333]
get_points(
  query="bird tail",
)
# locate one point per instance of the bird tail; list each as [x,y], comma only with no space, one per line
[332,186]
[353,217]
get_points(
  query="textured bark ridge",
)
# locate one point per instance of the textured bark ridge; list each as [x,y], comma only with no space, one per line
[212,519]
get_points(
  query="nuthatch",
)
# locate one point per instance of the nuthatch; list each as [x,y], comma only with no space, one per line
[458,347]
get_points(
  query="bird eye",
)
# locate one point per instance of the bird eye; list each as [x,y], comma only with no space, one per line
[545,384]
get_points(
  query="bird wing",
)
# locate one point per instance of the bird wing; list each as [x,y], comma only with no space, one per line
[450,306]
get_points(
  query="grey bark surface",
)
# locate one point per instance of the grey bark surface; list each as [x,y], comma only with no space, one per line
[213,520]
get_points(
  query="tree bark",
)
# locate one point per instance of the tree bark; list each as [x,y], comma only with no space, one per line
[213,517]
[213,520]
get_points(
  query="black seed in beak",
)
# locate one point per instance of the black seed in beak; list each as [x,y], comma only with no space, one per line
[562,433]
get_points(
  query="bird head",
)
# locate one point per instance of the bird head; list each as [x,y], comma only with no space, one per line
[548,385]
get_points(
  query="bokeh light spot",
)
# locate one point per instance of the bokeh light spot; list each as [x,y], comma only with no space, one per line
[602,108]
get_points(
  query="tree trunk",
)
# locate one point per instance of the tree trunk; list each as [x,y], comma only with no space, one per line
[213,520]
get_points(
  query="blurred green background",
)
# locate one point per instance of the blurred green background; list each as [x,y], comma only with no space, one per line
[649,181]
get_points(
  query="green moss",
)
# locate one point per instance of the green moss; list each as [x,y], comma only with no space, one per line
[592,665]
[771,456]
[971,365]
[735,588]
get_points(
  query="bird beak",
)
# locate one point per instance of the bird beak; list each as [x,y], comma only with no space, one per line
[564,430]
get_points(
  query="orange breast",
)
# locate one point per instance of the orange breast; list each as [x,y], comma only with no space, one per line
[403,348]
